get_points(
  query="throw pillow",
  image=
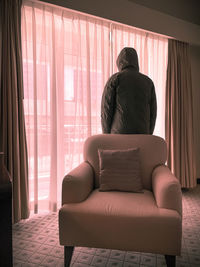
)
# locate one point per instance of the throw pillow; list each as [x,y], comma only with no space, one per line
[120,170]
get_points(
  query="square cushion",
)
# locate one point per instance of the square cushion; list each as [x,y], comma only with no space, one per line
[120,170]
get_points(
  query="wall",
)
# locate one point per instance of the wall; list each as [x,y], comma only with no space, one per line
[130,13]
[0,49]
[174,21]
[182,9]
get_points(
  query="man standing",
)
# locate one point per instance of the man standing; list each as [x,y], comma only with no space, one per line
[129,101]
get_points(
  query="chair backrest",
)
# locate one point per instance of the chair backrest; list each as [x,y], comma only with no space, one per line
[153,152]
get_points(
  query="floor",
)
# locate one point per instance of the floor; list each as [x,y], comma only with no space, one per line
[35,243]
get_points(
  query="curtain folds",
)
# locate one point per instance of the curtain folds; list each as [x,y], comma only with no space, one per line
[66,64]
[12,124]
[67,59]
[179,115]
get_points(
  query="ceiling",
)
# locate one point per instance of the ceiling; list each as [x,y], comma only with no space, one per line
[188,10]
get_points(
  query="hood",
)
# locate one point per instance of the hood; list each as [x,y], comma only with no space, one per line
[127,58]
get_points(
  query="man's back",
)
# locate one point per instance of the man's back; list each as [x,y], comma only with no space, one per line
[129,101]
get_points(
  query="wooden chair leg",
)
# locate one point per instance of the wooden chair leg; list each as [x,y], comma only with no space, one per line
[170,260]
[68,252]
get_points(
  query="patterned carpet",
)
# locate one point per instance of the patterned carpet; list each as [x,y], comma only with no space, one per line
[35,243]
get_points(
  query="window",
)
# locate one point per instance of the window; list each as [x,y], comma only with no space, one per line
[69,90]
[67,59]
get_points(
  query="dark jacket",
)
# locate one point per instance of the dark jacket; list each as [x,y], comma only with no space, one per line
[129,102]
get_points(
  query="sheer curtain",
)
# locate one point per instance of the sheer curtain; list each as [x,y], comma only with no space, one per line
[67,59]
[66,64]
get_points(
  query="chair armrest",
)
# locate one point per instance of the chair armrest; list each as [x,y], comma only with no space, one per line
[77,184]
[166,189]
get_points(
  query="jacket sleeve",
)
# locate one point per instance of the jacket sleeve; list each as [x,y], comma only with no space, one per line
[108,104]
[153,110]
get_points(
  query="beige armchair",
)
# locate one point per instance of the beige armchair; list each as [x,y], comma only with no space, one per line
[148,222]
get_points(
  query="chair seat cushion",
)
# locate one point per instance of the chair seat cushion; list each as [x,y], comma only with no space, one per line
[121,217]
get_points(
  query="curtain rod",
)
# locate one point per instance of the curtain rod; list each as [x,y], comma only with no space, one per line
[97,17]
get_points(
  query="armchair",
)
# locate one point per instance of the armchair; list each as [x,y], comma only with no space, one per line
[148,222]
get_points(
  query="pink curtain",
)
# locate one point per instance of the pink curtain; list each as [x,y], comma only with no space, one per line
[179,114]
[12,124]
[66,64]
[67,59]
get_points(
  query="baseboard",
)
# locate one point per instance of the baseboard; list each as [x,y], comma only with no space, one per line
[184,189]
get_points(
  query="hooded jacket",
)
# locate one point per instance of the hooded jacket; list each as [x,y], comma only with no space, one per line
[128,103]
